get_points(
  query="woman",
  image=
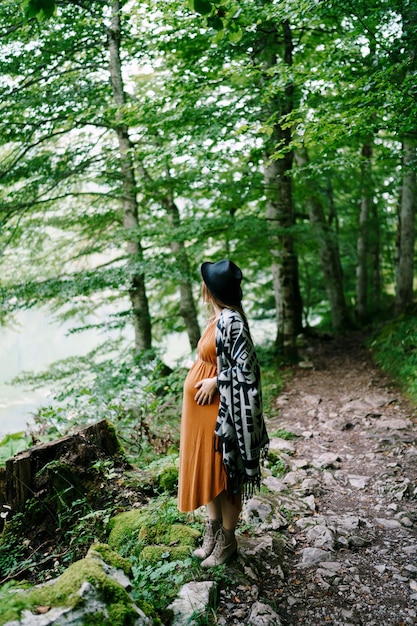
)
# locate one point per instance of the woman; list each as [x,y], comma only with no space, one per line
[223,434]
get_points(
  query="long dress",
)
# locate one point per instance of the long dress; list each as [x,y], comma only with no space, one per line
[201,473]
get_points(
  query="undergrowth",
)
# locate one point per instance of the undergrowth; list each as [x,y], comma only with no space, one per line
[394,348]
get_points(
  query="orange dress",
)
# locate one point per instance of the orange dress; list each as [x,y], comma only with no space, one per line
[201,475]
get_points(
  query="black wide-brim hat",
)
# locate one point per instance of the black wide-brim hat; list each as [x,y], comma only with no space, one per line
[223,281]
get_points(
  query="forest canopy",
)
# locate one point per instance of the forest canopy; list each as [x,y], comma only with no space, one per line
[139,139]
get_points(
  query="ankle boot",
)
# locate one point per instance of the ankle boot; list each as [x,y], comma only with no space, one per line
[225,548]
[212,527]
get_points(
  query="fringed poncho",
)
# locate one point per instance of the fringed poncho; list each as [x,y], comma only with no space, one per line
[240,431]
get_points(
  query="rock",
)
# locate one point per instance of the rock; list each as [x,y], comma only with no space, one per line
[193,600]
[95,586]
[312,556]
[326,460]
[274,484]
[263,615]
[359,482]
[320,537]
[277,445]
[311,486]
[392,424]
[311,503]
[294,478]
[387,523]
[264,513]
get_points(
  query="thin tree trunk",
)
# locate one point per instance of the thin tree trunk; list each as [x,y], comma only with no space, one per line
[362,244]
[407,213]
[188,309]
[328,254]
[137,291]
[279,207]
[406,229]
[375,249]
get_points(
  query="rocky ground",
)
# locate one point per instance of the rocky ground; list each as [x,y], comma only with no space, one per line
[349,551]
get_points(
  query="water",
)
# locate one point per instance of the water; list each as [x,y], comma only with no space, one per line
[33,344]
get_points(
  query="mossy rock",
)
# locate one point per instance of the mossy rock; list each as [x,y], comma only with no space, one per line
[153,554]
[109,556]
[64,591]
[184,535]
[174,534]
[174,545]
[124,529]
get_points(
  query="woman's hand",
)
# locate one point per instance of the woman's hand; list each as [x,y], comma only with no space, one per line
[207,389]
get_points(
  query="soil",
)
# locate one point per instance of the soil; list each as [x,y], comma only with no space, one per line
[343,408]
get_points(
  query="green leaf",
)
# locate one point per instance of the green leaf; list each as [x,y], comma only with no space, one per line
[235,35]
[38,8]
[204,7]
[215,22]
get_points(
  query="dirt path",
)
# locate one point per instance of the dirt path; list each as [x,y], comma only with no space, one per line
[351,554]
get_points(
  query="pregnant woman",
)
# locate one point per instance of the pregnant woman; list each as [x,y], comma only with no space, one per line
[223,434]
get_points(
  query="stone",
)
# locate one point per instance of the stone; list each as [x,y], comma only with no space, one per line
[311,503]
[311,486]
[387,523]
[80,591]
[262,511]
[320,537]
[274,484]
[392,424]
[312,556]
[326,460]
[294,478]
[193,600]
[359,482]
[277,445]
[263,615]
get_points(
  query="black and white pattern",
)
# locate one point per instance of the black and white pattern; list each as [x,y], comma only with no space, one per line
[240,429]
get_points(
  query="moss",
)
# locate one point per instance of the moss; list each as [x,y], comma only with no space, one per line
[153,554]
[184,535]
[168,479]
[124,531]
[64,592]
[112,430]
[122,615]
[110,557]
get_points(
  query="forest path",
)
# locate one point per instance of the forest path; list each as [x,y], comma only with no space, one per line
[352,559]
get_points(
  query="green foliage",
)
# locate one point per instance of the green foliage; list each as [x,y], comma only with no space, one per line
[12,601]
[394,347]
[277,466]
[283,433]
[13,444]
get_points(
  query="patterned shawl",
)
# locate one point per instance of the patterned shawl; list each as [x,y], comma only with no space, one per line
[240,431]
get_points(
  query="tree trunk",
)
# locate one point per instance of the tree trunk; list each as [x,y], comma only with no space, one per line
[25,474]
[279,206]
[362,244]
[137,290]
[328,254]
[188,309]
[406,229]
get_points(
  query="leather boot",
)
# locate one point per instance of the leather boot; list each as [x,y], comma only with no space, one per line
[212,527]
[225,548]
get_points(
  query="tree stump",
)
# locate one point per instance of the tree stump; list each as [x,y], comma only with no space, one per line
[20,480]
